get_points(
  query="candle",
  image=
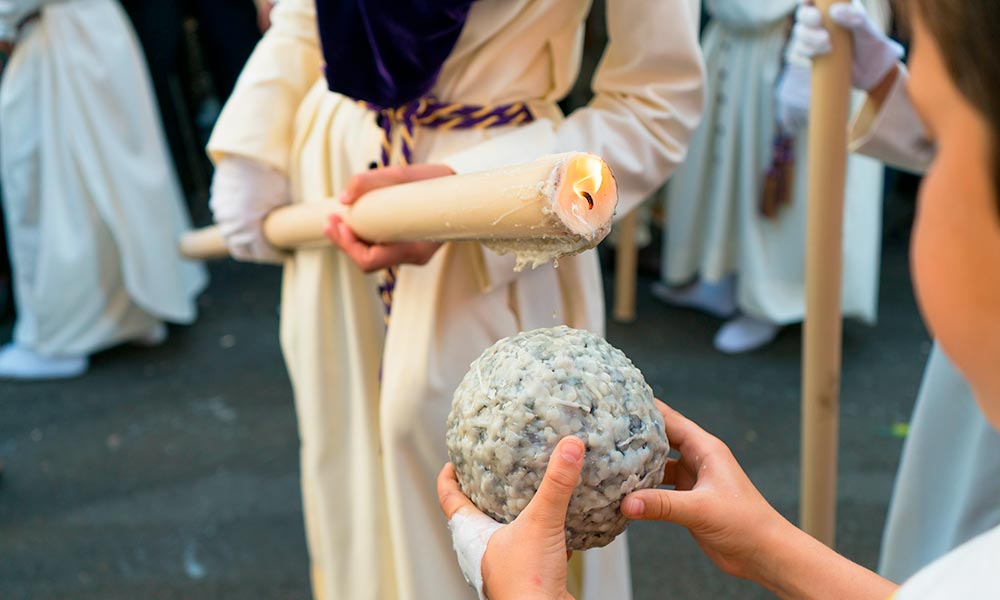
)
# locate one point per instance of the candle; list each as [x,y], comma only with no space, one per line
[555,206]
[526,392]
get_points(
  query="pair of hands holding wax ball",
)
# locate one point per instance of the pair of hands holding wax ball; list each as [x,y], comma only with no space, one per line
[527,559]
[712,497]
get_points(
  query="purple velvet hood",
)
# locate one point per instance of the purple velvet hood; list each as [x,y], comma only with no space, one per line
[387,52]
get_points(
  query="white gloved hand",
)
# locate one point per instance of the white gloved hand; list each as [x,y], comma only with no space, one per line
[793,95]
[874,53]
[244,191]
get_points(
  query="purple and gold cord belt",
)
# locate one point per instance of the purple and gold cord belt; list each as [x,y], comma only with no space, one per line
[433,114]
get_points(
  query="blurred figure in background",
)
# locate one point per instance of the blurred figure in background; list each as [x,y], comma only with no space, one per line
[5,287]
[92,205]
[735,222]
[949,435]
[195,50]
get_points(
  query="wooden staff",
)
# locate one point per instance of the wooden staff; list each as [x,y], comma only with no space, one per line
[563,196]
[827,152]
[626,264]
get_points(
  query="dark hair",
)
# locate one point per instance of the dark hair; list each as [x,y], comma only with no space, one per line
[965,32]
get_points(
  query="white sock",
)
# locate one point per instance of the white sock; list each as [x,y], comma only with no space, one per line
[715,298]
[744,334]
[18,362]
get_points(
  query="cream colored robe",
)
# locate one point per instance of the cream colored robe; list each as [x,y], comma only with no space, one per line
[947,487]
[93,208]
[714,226]
[370,453]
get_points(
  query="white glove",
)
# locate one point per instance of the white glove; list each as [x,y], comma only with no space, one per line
[245,191]
[874,53]
[793,95]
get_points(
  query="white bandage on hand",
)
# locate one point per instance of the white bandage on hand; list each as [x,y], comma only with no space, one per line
[244,192]
[875,54]
[470,534]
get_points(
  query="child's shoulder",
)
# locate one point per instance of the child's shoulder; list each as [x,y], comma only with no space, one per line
[970,571]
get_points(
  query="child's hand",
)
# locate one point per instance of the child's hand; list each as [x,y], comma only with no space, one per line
[525,560]
[713,498]
[375,257]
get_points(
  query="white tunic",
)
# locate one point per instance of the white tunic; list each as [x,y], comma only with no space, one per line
[714,225]
[371,452]
[947,487]
[970,571]
[92,205]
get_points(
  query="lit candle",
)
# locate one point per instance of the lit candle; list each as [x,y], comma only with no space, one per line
[555,206]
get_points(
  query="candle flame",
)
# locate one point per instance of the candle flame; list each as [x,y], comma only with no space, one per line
[587,186]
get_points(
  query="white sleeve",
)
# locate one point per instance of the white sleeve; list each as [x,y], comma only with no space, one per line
[648,96]
[648,100]
[892,132]
[969,571]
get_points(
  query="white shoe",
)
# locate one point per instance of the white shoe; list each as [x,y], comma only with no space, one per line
[155,337]
[18,362]
[716,299]
[744,334]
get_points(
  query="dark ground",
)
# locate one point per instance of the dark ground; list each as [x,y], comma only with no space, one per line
[172,472]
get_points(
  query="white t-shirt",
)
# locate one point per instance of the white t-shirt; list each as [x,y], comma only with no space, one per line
[970,571]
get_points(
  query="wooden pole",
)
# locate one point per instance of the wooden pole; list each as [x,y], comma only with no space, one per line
[827,152]
[626,265]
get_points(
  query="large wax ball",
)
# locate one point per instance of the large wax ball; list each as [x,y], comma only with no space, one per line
[527,392]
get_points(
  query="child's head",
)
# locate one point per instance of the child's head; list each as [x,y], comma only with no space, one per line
[955,85]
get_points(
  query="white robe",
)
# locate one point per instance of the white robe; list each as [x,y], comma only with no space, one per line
[947,487]
[92,206]
[714,227]
[969,571]
[371,452]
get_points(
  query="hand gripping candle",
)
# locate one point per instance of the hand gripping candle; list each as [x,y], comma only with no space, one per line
[556,206]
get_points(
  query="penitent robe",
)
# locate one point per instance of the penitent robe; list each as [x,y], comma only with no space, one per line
[714,223]
[92,206]
[371,448]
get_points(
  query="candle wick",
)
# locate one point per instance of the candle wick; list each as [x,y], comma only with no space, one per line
[590,199]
